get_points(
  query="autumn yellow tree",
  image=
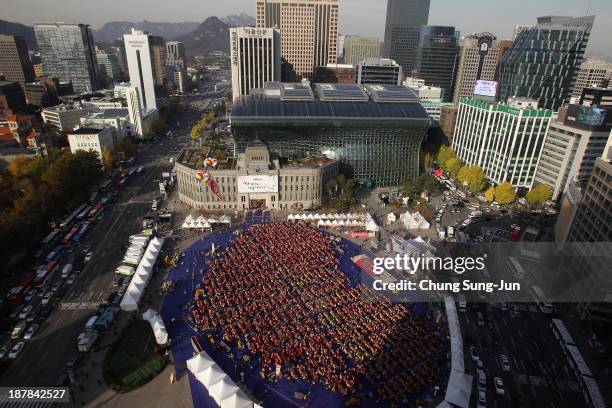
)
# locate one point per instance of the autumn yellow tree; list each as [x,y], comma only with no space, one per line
[107,160]
[490,194]
[505,193]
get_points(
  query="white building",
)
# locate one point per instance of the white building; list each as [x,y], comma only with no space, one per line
[140,67]
[105,103]
[431,99]
[571,149]
[117,119]
[64,117]
[119,90]
[506,141]
[140,119]
[91,139]
[255,54]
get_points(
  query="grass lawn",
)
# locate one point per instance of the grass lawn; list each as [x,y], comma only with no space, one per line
[133,360]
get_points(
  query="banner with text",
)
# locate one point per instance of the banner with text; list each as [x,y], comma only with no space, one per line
[257,184]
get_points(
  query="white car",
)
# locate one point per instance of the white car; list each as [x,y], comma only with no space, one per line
[474,353]
[16,350]
[71,279]
[47,297]
[499,386]
[25,311]
[4,350]
[31,331]
[88,256]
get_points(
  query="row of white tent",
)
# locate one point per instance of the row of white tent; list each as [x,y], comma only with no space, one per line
[331,216]
[158,326]
[459,388]
[336,223]
[203,222]
[219,385]
[142,275]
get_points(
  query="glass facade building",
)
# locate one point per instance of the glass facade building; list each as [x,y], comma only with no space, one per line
[543,62]
[437,58]
[375,131]
[68,53]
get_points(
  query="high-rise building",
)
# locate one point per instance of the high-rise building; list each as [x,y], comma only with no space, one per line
[436,59]
[478,58]
[506,141]
[309,32]
[12,98]
[543,61]
[175,53]
[357,48]
[107,65]
[596,97]
[118,49]
[403,29]
[335,74]
[448,119]
[144,60]
[255,58]
[341,40]
[379,71]
[64,117]
[376,135]
[430,98]
[592,74]
[15,64]
[67,52]
[574,140]
[132,96]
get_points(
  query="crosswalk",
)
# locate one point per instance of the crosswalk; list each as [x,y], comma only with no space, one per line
[78,305]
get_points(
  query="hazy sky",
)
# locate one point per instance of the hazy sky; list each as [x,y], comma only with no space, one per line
[365,17]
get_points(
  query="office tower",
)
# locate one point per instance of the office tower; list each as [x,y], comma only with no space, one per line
[436,59]
[430,98]
[12,98]
[15,64]
[132,95]
[157,46]
[341,40]
[255,58]
[357,48]
[175,53]
[118,49]
[592,74]
[543,61]
[478,58]
[335,74]
[107,65]
[596,97]
[574,140]
[143,54]
[379,71]
[506,141]
[67,52]
[309,32]
[376,135]
[403,29]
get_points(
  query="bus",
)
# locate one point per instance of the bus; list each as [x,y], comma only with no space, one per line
[576,362]
[68,237]
[84,213]
[592,393]
[515,267]
[44,272]
[104,186]
[72,216]
[79,235]
[54,253]
[561,333]
[545,307]
[50,239]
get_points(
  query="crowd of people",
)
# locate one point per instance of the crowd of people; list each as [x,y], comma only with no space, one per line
[277,294]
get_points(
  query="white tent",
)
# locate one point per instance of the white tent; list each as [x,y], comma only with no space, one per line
[201,219]
[142,275]
[421,221]
[185,225]
[219,385]
[157,324]
[189,218]
[290,217]
[371,226]
[391,218]
[459,389]
[454,328]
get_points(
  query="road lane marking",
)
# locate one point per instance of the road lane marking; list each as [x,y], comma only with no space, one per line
[512,341]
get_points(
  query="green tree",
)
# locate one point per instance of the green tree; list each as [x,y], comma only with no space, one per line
[505,193]
[445,154]
[539,194]
[408,187]
[490,194]
[453,165]
[426,182]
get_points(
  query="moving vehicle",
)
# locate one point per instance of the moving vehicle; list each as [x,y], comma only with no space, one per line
[545,307]
[47,298]
[154,205]
[91,322]
[25,311]
[474,353]
[4,350]
[499,386]
[461,303]
[504,362]
[19,329]
[125,270]
[86,340]
[482,399]
[66,270]
[480,319]
[482,380]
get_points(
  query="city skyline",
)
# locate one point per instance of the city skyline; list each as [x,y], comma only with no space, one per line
[360,17]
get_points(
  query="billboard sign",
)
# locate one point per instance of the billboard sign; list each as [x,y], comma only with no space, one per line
[585,115]
[486,88]
[257,184]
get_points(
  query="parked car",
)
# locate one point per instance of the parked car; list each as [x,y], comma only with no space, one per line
[88,256]
[482,399]
[71,279]
[4,350]
[47,298]
[31,331]
[505,363]
[474,353]
[16,350]
[25,311]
